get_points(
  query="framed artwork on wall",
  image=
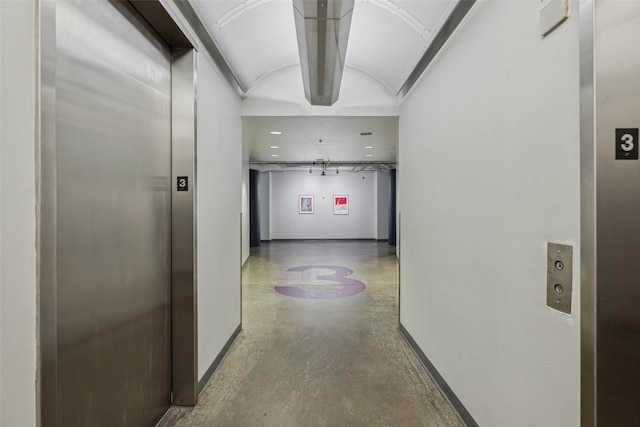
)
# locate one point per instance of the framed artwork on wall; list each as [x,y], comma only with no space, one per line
[305,204]
[341,205]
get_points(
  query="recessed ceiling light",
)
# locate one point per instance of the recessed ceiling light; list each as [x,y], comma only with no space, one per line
[368,147]
[274,155]
[369,155]
[274,146]
[275,132]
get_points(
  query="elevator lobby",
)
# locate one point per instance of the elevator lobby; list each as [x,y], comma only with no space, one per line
[319,213]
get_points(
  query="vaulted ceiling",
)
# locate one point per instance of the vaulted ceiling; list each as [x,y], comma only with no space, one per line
[387,40]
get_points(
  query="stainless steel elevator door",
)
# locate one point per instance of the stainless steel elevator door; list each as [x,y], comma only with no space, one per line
[113,148]
[617,107]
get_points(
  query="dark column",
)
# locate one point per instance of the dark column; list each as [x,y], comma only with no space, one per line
[254,207]
[392,207]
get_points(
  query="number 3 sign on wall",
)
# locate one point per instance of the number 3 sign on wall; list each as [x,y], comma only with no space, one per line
[182,183]
[627,144]
[349,286]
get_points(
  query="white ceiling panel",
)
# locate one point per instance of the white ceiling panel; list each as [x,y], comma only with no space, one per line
[308,139]
[430,13]
[282,94]
[212,10]
[256,37]
[383,45]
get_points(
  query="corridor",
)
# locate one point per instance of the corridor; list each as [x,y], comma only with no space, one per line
[316,352]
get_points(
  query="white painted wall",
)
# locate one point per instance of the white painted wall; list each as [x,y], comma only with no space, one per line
[489,172]
[287,223]
[265,205]
[220,202]
[18,286]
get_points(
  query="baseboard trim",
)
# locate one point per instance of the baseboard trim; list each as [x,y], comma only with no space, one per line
[214,365]
[457,405]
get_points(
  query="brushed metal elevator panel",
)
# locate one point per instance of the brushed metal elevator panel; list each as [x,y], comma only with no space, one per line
[113,158]
[559,276]
[617,106]
[610,230]
[183,213]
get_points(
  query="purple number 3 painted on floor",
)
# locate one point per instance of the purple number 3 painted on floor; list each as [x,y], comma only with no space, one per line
[350,286]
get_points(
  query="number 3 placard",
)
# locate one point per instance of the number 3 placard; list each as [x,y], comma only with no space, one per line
[182,183]
[627,144]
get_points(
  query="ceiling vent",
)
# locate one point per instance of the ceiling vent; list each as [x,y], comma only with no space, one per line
[322,29]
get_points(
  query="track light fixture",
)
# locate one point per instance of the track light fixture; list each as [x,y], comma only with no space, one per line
[322,30]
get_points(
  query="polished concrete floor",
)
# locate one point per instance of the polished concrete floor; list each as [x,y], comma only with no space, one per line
[320,346]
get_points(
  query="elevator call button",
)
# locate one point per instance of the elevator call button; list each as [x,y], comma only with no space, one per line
[627,144]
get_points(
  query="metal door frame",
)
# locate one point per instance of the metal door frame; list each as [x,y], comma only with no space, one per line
[183,228]
[587,218]
[183,208]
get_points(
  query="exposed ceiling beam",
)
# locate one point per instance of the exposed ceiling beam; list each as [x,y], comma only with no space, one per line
[323,165]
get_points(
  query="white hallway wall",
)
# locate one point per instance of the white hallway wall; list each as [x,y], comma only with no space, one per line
[279,207]
[489,172]
[18,285]
[220,201]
